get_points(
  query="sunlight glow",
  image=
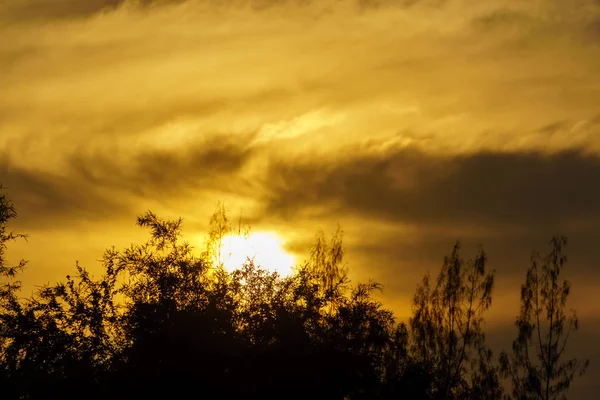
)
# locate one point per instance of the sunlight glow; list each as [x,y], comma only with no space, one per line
[265,248]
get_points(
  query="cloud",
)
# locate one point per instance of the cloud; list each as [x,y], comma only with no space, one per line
[415,121]
[522,189]
[50,201]
[412,123]
[211,164]
[100,186]
[404,210]
[125,71]
[53,9]
[391,123]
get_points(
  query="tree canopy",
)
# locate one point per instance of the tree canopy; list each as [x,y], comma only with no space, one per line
[164,322]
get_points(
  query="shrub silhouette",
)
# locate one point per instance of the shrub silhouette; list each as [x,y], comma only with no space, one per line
[163,322]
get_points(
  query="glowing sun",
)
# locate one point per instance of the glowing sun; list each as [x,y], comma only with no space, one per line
[265,248]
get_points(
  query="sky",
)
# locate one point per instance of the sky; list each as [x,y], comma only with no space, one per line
[411,123]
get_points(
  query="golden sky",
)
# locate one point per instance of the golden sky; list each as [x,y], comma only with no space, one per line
[412,123]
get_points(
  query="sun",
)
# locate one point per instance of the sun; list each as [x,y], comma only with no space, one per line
[265,248]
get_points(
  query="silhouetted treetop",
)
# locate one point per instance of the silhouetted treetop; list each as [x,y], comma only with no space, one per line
[538,367]
[163,320]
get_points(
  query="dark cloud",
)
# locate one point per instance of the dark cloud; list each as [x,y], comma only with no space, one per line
[54,9]
[502,20]
[45,200]
[508,203]
[15,10]
[212,164]
[103,186]
[592,29]
[519,189]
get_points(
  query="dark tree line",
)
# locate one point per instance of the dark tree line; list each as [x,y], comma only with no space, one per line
[162,322]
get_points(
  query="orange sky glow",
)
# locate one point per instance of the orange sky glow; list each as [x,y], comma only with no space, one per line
[411,123]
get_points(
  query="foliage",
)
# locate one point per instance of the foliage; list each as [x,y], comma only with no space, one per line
[219,228]
[8,287]
[448,327]
[326,260]
[12,314]
[163,321]
[537,365]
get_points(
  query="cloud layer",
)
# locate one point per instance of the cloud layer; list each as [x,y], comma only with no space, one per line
[412,123]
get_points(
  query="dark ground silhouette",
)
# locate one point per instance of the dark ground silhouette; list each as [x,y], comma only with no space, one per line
[162,322]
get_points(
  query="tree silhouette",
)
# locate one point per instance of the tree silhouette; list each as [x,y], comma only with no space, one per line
[219,228]
[13,318]
[326,260]
[448,324]
[537,365]
[163,321]
[9,286]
